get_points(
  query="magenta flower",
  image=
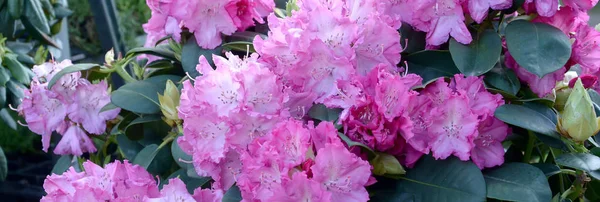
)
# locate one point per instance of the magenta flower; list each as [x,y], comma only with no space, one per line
[546,8]
[488,151]
[582,5]
[453,129]
[540,86]
[478,9]
[300,189]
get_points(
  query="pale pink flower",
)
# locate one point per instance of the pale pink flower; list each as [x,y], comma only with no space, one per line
[566,19]
[43,112]
[478,9]
[173,191]
[343,174]
[209,21]
[87,103]
[74,141]
[301,189]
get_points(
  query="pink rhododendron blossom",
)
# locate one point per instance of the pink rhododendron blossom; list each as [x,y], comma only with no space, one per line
[587,80]
[482,102]
[72,102]
[87,103]
[586,50]
[173,191]
[582,5]
[488,151]
[453,129]
[540,86]
[208,195]
[74,141]
[566,19]
[116,182]
[478,9]
[207,20]
[342,173]
[300,188]
[439,18]
[546,8]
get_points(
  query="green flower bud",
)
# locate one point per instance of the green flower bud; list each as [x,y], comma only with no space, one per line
[578,119]
[109,57]
[169,102]
[562,90]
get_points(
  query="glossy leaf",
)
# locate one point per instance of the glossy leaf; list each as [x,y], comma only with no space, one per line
[321,112]
[190,183]
[142,96]
[70,69]
[156,51]
[37,33]
[538,47]
[444,181]
[190,54]
[34,12]
[504,79]
[548,168]
[17,70]
[479,56]
[516,182]
[526,118]
[233,194]
[129,148]
[431,65]
[145,157]
[62,165]
[582,161]
[3,165]
[15,7]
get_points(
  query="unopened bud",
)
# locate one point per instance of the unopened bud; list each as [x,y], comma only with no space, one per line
[578,119]
[169,102]
[109,57]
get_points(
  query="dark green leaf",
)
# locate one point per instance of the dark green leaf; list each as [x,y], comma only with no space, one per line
[243,46]
[594,96]
[444,181]
[3,165]
[70,69]
[4,76]
[48,8]
[38,34]
[15,8]
[7,23]
[593,191]
[371,154]
[517,182]
[431,65]
[62,165]
[478,57]
[416,38]
[109,106]
[321,112]
[163,161]
[34,12]
[159,64]
[233,194]
[8,119]
[179,154]
[582,161]
[527,118]
[129,148]
[246,36]
[141,96]
[156,51]
[515,5]
[538,47]
[16,88]
[2,96]
[547,168]
[504,79]
[145,157]
[25,59]
[17,70]
[132,130]
[190,54]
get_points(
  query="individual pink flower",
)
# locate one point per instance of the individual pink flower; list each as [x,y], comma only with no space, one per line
[208,195]
[261,173]
[175,190]
[131,182]
[478,9]
[419,110]
[392,93]
[546,8]
[74,141]
[440,19]
[300,189]
[582,5]
[586,50]
[488,151]
[325,133]
[540,86]
[87,103]
[377,43]
[566,19]
[243,14]
[205,140]
[482,102]
[453,129]
[291,140]
[209,21]
[60,187]
[43,112]
[342,173]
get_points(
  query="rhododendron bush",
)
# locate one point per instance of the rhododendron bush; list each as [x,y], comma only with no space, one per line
[331,100]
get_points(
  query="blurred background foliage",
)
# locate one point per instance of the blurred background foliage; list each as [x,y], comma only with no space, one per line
[82,28]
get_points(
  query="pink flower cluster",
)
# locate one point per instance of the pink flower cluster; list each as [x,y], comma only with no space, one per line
[325,43]
[237,130]
[572,19]
[119,182]
[445,119]
[206,19]
[71,108]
